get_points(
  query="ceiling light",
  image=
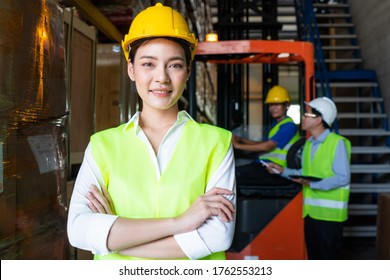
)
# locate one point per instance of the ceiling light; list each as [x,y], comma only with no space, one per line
[211,37]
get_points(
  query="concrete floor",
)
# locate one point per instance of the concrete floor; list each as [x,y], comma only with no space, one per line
[360,248]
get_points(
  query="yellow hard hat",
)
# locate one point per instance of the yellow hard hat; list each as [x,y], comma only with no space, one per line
[277,94]
[159,21]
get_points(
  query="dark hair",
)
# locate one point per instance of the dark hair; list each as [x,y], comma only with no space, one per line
[183,43]
[318,113]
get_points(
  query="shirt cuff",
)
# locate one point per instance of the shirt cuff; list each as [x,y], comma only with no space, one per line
[192,245]
[98,236]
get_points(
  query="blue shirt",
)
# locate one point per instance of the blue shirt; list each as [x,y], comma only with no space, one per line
[284,134]
[340,166]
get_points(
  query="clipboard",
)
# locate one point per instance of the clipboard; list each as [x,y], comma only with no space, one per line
[310,178]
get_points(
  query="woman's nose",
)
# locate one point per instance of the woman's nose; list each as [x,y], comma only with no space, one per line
[162,76]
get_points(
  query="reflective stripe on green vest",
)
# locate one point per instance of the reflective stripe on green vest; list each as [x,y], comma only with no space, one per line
[330,205]
[129,173]
[278,155]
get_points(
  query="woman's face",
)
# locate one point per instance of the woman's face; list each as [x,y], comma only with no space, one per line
[160,73]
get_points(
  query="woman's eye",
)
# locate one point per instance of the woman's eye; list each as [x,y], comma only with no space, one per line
[147,64]
[177,65]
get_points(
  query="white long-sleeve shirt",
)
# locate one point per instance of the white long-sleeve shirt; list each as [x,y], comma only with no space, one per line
[89,231]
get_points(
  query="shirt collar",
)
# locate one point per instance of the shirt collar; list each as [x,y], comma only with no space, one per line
[182,116]
[322,136]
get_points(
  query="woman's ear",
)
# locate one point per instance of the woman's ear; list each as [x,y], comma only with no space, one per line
[130,70]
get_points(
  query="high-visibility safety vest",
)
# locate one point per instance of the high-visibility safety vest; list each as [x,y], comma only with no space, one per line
[129,173]
[329,205]
[278,155]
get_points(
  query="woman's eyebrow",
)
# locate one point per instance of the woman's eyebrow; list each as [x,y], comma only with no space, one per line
[155,58]
[147,57]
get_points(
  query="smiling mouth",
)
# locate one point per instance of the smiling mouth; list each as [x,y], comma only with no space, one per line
[161,92]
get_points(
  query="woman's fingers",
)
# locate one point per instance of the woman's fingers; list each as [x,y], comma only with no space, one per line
[218,191]
[99,202]
[93,208]
[218,201]
[217,204]
[212,203]
[109,200]
[220,195]
[221,210]
[94,204]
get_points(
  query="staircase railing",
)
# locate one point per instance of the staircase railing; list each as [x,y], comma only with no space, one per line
[308,31]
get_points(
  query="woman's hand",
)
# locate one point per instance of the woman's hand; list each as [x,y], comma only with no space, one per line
[212,203]
[100,202]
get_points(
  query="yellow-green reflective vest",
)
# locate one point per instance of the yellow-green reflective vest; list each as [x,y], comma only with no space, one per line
[330,205]
[129,173]
[277,155]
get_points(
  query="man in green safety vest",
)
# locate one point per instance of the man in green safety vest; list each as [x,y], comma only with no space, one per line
[325,176]
[282,135]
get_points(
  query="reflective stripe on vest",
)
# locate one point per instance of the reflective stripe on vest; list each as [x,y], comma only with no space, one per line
[330,205]
[128,172]
[278,155]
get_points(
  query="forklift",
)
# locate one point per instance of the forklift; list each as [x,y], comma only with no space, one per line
[269,223]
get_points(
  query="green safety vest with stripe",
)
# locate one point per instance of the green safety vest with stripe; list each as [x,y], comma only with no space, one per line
[329,205]
[129,174]
[278,155]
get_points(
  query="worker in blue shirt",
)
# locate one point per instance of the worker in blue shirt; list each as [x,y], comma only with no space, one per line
[283,133]
[325,176]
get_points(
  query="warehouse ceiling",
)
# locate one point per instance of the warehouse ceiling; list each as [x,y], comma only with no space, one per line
[112,18]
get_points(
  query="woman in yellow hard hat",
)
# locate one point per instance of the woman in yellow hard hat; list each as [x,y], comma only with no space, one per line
[282,135]
[161,186]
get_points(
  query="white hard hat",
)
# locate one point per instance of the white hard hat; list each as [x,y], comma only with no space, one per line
[326,107]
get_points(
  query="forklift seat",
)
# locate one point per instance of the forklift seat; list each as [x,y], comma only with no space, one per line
[288,189]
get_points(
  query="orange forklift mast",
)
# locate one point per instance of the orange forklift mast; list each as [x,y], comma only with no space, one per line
[262,51]
[279,236]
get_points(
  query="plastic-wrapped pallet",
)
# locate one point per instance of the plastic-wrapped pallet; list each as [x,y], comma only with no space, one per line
[33,120]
